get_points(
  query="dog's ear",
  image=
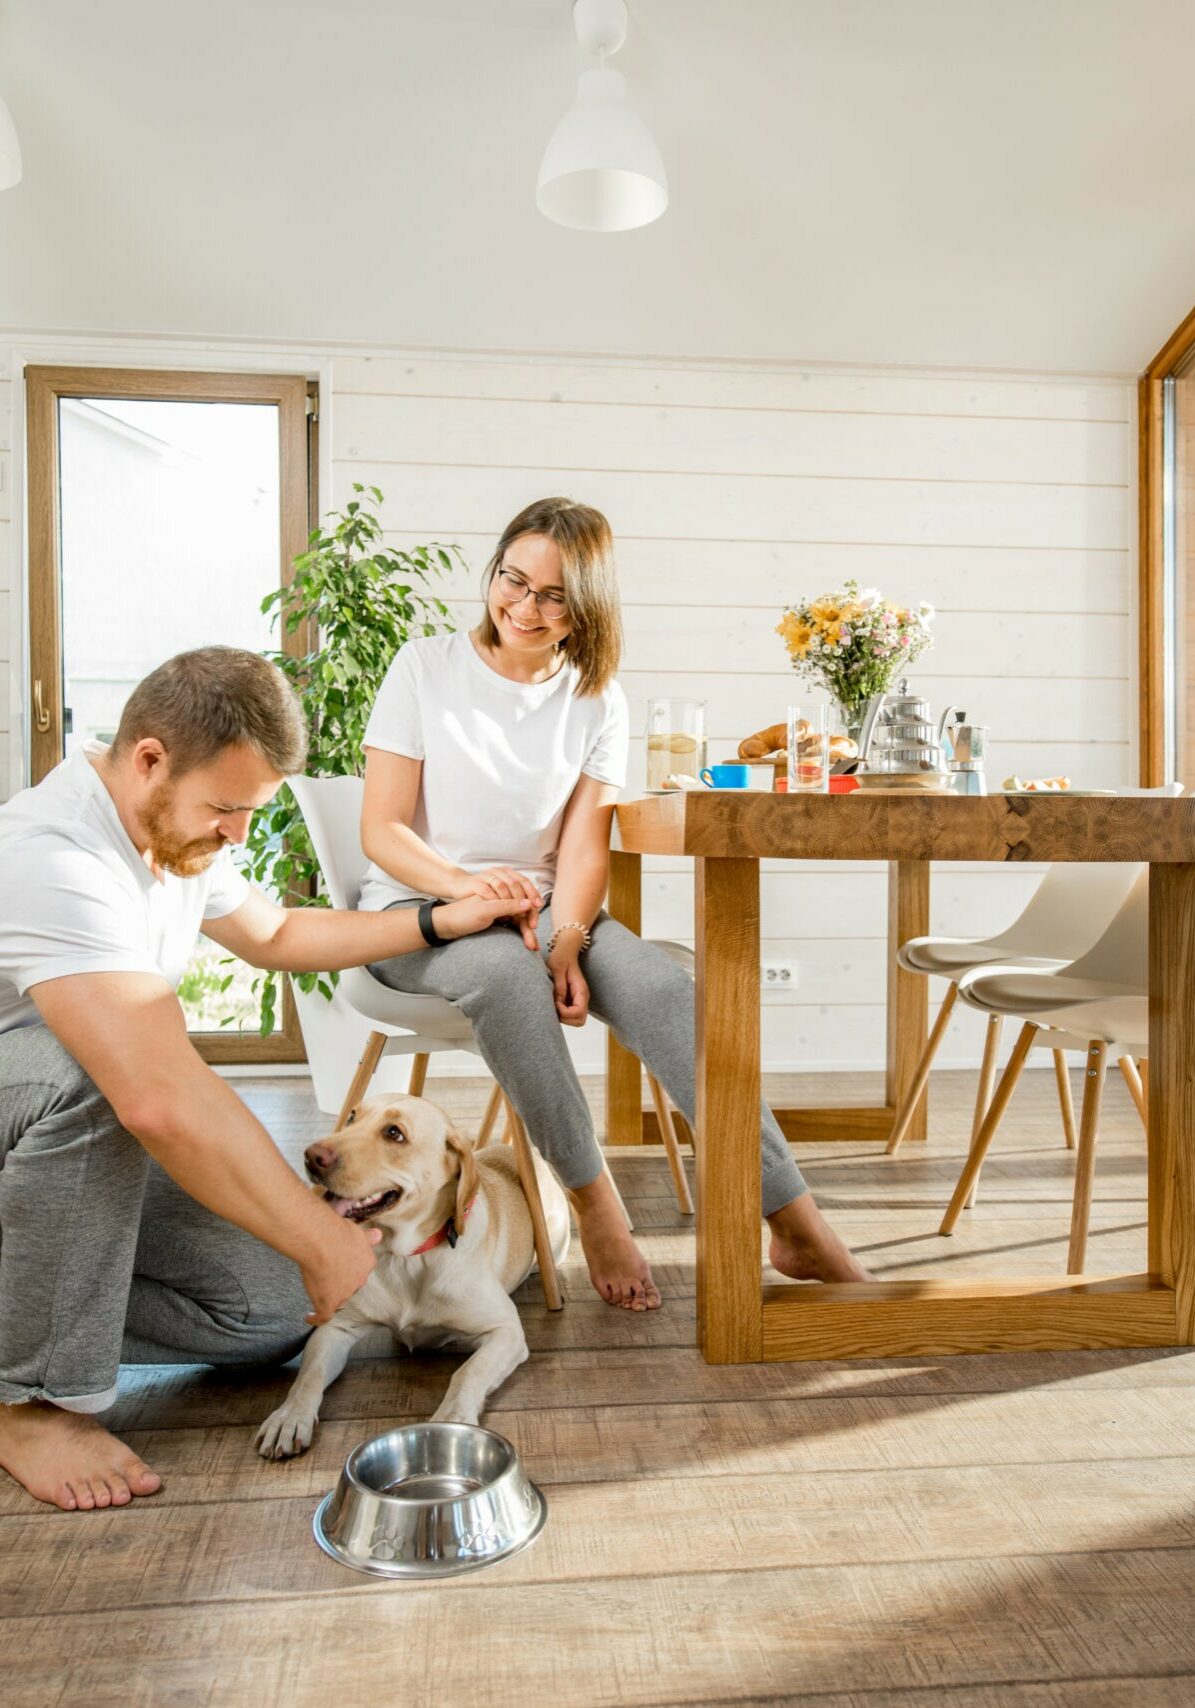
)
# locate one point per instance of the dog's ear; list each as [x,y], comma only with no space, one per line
[469,1181]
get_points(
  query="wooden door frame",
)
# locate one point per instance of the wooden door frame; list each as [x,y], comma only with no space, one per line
[44,386]
[1151,609]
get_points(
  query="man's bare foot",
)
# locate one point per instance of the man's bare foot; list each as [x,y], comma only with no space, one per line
[618,1269]
[68,1460]
[806,1248]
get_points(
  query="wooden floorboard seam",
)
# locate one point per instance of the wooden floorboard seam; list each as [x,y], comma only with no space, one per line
[946,1693]
[830,1473]
[357,1590]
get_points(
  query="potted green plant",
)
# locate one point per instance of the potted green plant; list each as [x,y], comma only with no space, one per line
[356,602]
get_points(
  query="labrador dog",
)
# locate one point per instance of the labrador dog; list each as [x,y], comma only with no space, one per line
[456,1241]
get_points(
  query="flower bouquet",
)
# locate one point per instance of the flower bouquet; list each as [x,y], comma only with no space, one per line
[854,644]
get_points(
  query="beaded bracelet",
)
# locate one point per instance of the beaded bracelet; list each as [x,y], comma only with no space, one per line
[572,925]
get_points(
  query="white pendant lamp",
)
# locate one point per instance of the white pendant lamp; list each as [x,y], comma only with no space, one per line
[10,150]
[601,170]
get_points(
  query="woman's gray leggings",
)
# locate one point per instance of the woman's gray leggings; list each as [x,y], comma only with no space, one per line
[640,993]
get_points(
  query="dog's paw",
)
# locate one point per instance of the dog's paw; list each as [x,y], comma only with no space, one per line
[456,1414]
[285,1433]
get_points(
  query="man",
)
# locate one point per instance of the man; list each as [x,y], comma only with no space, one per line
[144,1213]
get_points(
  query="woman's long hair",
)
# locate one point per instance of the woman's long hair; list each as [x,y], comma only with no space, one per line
[586,546]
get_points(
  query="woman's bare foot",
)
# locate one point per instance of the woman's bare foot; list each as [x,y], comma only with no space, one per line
[618,1269]
[68,1460]
[806,1248]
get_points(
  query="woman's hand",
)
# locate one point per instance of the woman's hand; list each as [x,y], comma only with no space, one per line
[569,985]
[503,883]
[472,913]
[500,883]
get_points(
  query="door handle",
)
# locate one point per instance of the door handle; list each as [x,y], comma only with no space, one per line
[41,715]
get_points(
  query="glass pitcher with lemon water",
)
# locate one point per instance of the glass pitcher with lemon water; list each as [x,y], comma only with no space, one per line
[675,741]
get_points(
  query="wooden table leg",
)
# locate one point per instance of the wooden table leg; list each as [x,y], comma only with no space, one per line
[624,1075]
[729,1279]
[1171,1110]
[908,993]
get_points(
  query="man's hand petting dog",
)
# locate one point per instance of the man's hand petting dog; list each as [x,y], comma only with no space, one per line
[343,1264]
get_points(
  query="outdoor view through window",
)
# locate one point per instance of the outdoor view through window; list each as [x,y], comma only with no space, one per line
[170,540]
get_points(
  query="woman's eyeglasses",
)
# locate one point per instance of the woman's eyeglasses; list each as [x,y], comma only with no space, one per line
[516,589]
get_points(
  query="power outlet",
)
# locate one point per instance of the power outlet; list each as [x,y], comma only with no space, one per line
[779,975]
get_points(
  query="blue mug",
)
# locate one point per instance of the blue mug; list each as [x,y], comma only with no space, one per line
[727,777]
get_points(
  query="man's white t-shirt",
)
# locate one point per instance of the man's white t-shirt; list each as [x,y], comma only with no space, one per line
[76,897]
[500,758]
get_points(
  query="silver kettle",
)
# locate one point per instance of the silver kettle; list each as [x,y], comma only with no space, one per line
[900,737]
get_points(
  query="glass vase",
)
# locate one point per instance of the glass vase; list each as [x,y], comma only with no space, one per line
[847,719]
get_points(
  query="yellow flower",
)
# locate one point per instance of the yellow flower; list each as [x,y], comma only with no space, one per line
[797,634]
[827,609]
[832,632]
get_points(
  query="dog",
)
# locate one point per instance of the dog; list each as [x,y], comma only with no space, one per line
[456,1241]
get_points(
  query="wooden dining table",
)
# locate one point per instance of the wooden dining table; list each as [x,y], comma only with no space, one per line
[726,834]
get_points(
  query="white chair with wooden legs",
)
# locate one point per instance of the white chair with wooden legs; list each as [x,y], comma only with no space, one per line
[1064,917]
[1098,1004]
[401,1024]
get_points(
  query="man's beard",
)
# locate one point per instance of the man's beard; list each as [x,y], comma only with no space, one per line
[167,850]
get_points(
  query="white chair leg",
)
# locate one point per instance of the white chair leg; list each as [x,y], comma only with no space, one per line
[371,1055]
[1089,1126]
[1133,1080]
[490,1116]
[908,1108]
[525,1163]
[1065,1102]
[991,1122]
[663,1110]
[983,1091]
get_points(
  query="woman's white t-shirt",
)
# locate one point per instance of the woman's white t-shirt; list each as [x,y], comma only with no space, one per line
[500,758]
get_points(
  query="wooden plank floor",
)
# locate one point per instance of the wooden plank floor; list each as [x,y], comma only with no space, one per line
[932,1533]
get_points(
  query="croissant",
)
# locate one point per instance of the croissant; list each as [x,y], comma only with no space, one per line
[770,740]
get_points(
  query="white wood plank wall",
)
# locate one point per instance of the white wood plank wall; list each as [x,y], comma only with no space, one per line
[1005,502]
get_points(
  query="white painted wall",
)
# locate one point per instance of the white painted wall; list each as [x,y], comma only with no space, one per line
[1007,502]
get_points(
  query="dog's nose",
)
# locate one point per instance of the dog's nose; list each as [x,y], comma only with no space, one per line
[320,1157]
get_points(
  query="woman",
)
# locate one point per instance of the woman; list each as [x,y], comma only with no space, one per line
[493,762]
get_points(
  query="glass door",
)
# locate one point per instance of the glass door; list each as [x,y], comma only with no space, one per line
[169,526]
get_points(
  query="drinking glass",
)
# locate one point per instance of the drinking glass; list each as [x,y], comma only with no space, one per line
[808,750]
[675,741]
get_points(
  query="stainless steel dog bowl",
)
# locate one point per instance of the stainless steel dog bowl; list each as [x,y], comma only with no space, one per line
[429,1501]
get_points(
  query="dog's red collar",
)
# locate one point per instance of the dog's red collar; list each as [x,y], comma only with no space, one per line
[449,1232]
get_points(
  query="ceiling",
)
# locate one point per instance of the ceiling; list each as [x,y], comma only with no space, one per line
[1002,184]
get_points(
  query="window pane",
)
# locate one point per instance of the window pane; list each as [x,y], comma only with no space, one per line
[170,540]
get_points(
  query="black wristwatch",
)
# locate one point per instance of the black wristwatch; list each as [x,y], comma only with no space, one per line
[430,935]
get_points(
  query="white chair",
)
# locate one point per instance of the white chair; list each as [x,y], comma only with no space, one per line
[402,1024]
[1064,917]
[1099,1004]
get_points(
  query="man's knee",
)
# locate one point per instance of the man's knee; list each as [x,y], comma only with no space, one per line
[33,1056]
[267,1340]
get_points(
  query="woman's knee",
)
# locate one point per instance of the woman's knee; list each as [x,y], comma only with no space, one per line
[622,965]
[502,973]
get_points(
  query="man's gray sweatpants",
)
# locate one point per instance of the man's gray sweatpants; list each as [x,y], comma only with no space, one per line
[638,990]
[103,1259]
